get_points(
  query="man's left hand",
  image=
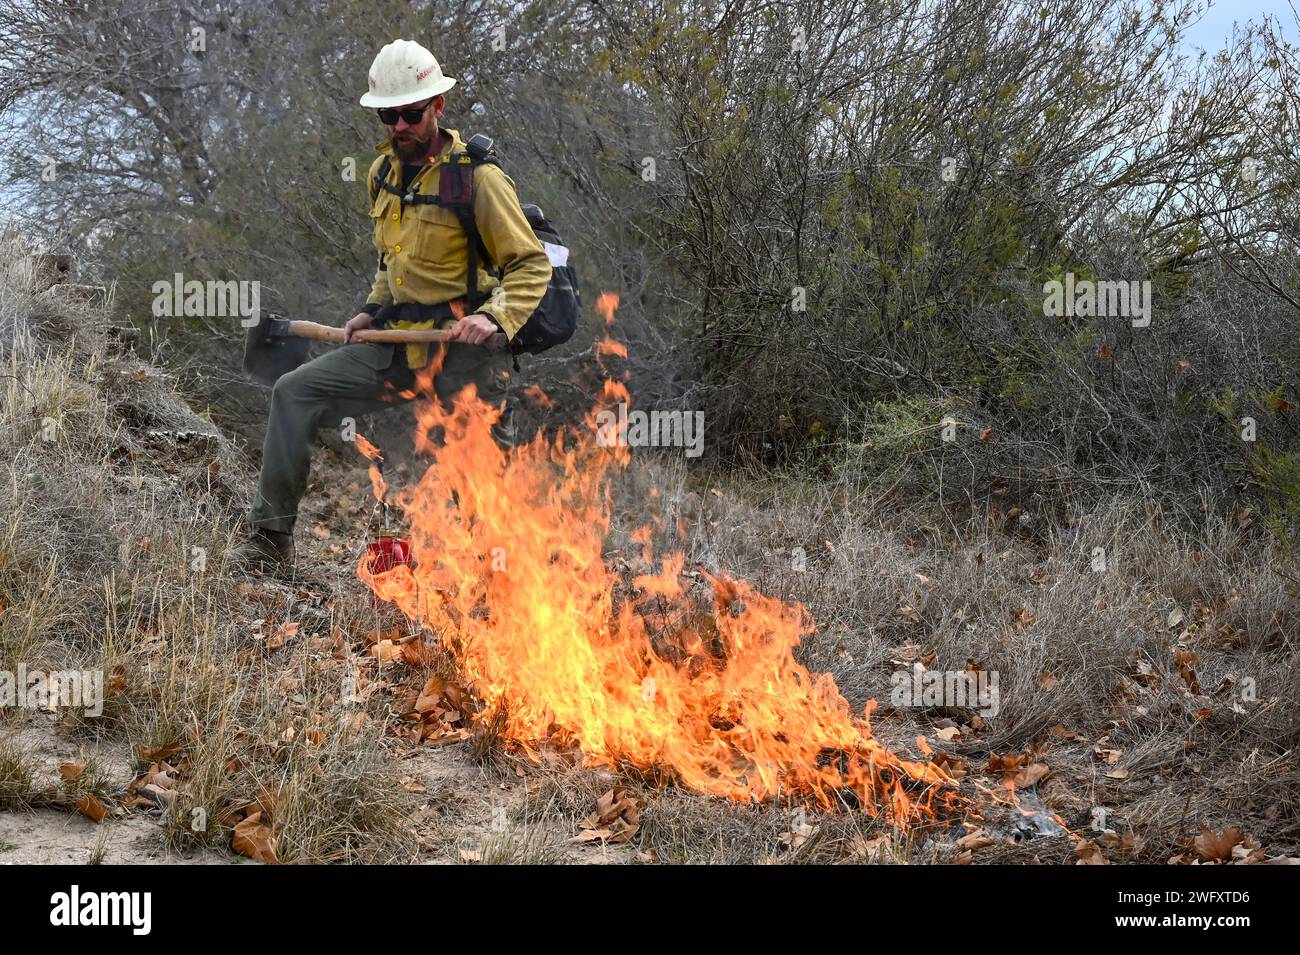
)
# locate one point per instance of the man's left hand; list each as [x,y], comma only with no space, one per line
[473,329]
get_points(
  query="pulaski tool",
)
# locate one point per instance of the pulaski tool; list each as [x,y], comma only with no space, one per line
[276,346]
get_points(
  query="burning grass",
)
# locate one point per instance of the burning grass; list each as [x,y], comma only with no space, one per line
[556,602]
[508,567]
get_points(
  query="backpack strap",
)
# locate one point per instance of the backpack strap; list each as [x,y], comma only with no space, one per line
[381,179]
[481,151]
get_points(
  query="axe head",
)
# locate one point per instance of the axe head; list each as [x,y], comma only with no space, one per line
[270,351]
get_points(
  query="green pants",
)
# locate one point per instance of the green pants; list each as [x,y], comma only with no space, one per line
[347,382]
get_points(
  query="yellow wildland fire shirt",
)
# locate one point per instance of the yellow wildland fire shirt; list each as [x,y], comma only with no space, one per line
[425,252]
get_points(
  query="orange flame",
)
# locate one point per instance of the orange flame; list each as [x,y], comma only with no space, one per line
[368,449]
[606,304]
[536,394]
[508,568]
[375,456]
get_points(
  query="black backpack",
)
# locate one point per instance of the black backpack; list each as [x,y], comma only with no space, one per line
[556,316]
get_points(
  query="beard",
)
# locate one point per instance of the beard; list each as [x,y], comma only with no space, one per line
[410,149]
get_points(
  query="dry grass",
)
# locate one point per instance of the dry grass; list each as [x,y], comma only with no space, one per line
[1077,649]
[121,510]
[121,507]
[17,775]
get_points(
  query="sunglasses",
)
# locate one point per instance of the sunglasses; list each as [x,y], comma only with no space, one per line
[412,114]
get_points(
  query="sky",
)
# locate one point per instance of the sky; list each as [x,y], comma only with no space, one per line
[1213,29]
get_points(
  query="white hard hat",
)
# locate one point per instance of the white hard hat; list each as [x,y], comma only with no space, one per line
[404,72]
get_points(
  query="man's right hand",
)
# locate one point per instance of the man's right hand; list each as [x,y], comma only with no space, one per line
[359,321]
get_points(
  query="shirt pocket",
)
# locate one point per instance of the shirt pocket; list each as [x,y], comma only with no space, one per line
[380,215]
[439,239]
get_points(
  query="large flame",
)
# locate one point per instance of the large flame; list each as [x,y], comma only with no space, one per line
[508,568]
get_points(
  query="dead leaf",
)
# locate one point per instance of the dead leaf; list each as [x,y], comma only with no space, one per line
[431,697]
[1248,852]
[72,770]
[1217,846]
[416,652]
[1088,852]
[1143,671]
[954,766]
[1007,765]
[616,818]
[978,839]
[374,636]
[1185,661]
[154,754]
[1031,775]
[1022,616]
[253,838]
[283,633]
[613,804]
[90,807]
[1126,843]
[1110,756]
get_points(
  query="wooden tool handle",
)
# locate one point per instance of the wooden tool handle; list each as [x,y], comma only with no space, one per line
[386,336]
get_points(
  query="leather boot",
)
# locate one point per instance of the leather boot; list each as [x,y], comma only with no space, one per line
[268,552]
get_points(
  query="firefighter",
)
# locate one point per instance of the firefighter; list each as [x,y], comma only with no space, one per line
[421,281]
